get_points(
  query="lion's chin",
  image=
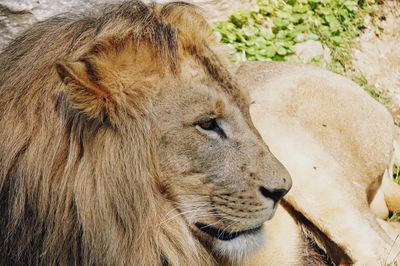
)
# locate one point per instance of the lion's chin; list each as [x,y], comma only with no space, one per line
[239,248]
[233,246]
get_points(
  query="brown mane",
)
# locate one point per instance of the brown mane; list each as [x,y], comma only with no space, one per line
[72,191]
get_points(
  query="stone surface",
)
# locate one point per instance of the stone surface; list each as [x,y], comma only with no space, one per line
[308,50]
[20,5]
[17,15]
[377,55]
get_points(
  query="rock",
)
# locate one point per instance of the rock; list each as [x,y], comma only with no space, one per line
[310,49]
[17,15]
[217,10]
[376,55]
[18,6]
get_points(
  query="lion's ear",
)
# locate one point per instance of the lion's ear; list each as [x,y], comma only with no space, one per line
[80,73]
[84,89]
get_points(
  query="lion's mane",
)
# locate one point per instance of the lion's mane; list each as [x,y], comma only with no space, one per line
[71,190]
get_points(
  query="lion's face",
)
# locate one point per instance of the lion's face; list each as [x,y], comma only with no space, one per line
[215,167]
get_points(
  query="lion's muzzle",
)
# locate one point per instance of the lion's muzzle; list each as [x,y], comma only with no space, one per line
[275,194]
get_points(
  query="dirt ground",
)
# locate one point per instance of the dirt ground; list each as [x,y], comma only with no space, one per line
[377,55]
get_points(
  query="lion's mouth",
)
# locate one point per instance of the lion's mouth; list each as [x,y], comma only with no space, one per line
[223,235]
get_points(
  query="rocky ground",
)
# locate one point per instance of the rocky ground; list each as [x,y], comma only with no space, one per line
[17,15]
[377,55]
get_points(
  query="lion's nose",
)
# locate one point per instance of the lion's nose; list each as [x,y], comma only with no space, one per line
[274,194]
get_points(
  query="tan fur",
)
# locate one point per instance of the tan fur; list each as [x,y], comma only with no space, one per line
[336,142]
[104,159]
[390,189]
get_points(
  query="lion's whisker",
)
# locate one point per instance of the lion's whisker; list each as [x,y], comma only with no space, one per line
[391,248]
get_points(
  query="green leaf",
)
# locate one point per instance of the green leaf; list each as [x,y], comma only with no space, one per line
[261,57]
[249,31]
[231,36]
[281,50]
[324,11]
[351,5]
[260,42]
[396,174]
[337,40]
[281,23]
[268,51]
[298,8]
[252,51]
[333,22]
[395,217]
[296,18]
[268,35]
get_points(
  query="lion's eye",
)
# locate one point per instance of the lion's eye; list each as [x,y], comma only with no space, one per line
[212,125]
[209,124]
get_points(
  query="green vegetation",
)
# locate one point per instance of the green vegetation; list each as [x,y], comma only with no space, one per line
[395,217]
[271,30]
[396,173]
[371,89]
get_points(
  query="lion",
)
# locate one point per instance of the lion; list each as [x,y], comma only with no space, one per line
[125,141]
[337,143]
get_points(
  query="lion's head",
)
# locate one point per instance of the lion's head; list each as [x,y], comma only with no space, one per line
[126,141]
